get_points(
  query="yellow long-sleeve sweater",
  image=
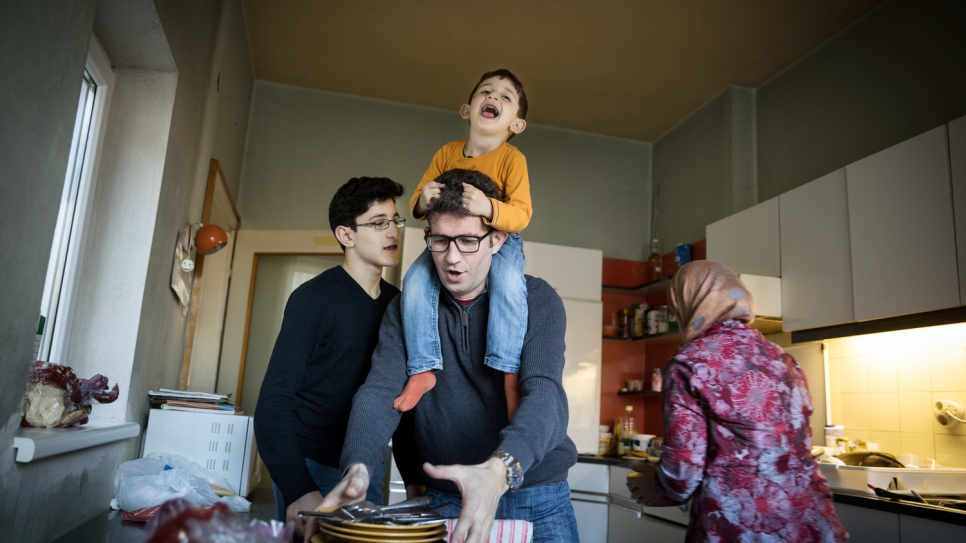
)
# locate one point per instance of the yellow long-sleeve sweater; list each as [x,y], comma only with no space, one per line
[505,165]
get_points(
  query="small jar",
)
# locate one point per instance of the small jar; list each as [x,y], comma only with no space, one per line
[627,323]
[662,319]
[656,379]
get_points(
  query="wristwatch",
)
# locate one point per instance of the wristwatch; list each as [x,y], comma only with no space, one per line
[514,471]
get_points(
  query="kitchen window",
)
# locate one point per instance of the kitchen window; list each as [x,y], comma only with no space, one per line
[67,249]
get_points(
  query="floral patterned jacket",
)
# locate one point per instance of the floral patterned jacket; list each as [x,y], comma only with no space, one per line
[737,442]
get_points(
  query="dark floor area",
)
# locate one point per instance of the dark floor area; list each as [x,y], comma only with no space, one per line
[110,528]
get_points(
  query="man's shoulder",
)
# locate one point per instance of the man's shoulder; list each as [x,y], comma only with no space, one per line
[538,290]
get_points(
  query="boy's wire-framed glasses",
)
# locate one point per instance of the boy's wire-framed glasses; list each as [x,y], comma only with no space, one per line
[465,244]
[382,224]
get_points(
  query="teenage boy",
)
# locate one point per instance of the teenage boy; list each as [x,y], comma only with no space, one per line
[474,453]
[324,350]
[496,110]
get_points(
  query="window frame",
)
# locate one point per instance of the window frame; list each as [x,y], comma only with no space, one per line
[56,345]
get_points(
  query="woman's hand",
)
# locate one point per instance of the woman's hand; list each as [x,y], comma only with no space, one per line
[644,486]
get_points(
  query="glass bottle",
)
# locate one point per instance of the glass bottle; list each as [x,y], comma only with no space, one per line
[628,430]
[654,262]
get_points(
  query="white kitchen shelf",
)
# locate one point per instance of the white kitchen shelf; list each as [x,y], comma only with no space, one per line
[36,443]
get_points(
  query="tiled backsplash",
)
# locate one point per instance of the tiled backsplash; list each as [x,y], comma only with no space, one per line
[883,386]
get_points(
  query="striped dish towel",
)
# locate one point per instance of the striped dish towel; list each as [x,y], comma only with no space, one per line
[503,531]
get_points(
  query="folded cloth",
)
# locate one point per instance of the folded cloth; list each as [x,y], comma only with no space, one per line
[503,531]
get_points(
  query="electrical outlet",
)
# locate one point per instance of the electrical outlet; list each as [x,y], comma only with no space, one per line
[948,412]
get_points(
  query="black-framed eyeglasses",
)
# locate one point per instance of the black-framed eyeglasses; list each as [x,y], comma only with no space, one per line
[382,224]
[465,244]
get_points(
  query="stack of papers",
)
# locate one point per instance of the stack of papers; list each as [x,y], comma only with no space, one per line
[186,400]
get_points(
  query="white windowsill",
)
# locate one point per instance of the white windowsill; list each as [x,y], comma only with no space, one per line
[36,443]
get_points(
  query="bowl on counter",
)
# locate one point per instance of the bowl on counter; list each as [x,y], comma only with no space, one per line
[610,331]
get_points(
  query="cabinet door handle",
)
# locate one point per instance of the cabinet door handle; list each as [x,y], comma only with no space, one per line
[585,500]
[628,509]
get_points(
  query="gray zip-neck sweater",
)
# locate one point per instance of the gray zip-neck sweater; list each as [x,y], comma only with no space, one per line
[463,419]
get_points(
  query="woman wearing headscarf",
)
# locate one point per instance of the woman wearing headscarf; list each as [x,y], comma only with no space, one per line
[737,439]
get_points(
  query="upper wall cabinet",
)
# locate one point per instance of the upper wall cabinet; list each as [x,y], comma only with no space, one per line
[815,256]
[957,161]
[901,229]
[748,241]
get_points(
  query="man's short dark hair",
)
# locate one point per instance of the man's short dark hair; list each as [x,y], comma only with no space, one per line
[503,73]
[450,199]
[357,196]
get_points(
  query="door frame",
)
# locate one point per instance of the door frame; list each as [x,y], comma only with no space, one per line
[249,245]
[219,209]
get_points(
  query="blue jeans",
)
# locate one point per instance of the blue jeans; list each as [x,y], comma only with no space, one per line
[326,477]
[547,507]
[507,324]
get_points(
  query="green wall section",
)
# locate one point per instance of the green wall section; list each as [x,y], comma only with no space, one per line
[692,174]
[588,190]
[895,74]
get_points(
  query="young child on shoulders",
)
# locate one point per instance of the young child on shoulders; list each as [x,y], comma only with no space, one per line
[496,112]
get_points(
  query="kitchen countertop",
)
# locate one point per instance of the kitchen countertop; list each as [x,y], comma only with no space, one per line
[928,512]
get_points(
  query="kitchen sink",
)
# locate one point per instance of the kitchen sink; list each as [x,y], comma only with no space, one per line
[946,481]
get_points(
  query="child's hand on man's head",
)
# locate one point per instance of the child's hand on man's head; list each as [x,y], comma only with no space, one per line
[477,202]
[429,193]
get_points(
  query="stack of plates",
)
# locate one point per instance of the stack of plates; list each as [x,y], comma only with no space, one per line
[360,532]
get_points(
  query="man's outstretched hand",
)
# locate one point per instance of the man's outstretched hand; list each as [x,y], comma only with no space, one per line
[351,489]
[481,487]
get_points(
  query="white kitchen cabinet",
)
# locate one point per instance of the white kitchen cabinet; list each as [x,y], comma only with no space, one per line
[588,495]
[748,241]
[624,522]
[573,272]
[868,525]
[816,262]
[901,229]
[914,529]
[957,162]
[628,522]
[581,374]
[655,530]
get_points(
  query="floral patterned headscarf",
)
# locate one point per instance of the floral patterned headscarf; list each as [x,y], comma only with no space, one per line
[703,293]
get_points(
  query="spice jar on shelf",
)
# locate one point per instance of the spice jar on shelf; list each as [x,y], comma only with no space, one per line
[626,323]
[640,327]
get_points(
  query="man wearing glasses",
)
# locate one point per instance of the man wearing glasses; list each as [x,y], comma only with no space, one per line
[474,453]
[324,350]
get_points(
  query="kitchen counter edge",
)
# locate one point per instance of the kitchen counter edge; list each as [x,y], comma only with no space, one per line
[839,496]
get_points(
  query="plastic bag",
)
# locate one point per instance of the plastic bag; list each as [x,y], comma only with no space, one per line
[160,477]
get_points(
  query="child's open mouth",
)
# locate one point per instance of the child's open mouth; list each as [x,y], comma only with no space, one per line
[490,112]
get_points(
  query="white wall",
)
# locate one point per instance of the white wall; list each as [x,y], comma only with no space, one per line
[43,48]
[131,325]
[588,191]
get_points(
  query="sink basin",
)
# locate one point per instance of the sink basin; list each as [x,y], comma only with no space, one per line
[858,479]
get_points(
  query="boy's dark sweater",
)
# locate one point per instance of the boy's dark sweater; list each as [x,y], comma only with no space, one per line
[321,357]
